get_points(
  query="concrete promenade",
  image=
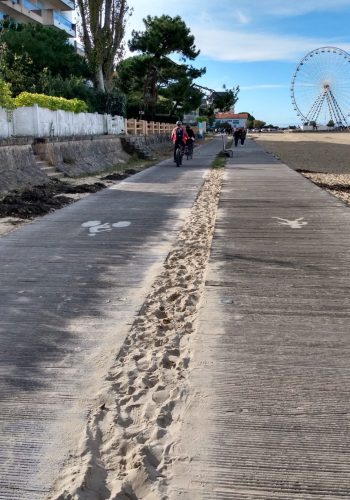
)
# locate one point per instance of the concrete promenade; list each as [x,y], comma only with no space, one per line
[71,285]
[269,416]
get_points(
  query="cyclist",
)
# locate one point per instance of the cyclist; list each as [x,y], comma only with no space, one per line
[191,137]
[179,137]
[190,132]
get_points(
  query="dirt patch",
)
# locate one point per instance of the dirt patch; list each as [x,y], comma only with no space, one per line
[40,200]
[118,176]
[20,206]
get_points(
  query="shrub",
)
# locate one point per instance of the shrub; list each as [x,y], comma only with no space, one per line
[6,100]
[50,102]
[112,102]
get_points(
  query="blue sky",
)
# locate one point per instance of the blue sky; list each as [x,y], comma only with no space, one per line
[256,44]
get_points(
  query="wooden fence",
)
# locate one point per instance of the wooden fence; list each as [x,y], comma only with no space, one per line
[142,127]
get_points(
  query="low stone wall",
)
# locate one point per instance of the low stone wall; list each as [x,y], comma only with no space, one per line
[79,157]
[18,168]
[145,145]
[73,156]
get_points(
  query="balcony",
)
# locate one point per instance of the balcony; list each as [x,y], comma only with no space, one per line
[62,4]
[32,5]
[22,11]
[61,22]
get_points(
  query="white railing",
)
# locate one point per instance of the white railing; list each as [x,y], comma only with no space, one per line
[142,127]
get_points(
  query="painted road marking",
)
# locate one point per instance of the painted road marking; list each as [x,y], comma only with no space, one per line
[96,226]
[293,224]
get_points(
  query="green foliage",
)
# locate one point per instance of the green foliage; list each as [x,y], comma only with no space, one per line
[70,88]
[39,60]
[17,69]
[219,161]
[259,123]
[34,48]
[131,73]
[164,35]
[330,124]
[6,100]
[49,102]
[153,73]
[112,102]
[250,117]
[224,101]
[181,96]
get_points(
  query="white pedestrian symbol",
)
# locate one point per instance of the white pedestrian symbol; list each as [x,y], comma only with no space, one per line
[96,226]
[294,224]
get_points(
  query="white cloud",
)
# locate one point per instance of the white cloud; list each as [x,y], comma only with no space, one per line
[241,17]
[283,8]
[238,46]
[225,32]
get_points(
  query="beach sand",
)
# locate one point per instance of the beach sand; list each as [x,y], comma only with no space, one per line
[131,434]
[324,158]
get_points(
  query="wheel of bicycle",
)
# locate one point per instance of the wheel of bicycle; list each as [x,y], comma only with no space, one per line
[178,157]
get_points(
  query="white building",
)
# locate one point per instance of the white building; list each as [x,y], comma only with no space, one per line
[55,13]
[236,120]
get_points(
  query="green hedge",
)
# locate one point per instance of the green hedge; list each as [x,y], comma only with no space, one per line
[6,100]
[50,102]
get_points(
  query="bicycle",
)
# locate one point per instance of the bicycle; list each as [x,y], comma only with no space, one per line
[178,155]
[189,150]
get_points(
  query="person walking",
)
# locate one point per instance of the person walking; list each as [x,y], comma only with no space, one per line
[243,135]
[237,136]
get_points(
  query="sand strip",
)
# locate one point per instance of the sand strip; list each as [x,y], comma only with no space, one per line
[128,449]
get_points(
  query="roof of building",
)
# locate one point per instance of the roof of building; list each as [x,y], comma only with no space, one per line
[229,115]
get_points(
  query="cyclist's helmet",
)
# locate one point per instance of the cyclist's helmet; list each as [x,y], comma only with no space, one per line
[178,123]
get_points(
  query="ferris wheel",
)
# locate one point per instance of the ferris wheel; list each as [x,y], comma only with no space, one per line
[320,87]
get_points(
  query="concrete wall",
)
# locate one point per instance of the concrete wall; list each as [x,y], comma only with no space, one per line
[82,156]
[72,156]
[35,121]
[145,145]
[18,168]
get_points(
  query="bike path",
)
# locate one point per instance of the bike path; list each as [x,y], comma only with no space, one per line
[268,415]
[71,284]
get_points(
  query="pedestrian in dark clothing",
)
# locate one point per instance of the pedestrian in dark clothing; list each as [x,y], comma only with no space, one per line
[237,135]
[243,136]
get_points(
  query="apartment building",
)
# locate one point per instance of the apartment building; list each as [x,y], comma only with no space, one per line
[56,13]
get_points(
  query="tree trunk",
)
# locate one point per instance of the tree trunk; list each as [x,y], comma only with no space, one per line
[100,81]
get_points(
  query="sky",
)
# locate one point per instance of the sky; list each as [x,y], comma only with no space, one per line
[257,44]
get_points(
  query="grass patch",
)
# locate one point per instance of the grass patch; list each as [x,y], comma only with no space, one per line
[219,162]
